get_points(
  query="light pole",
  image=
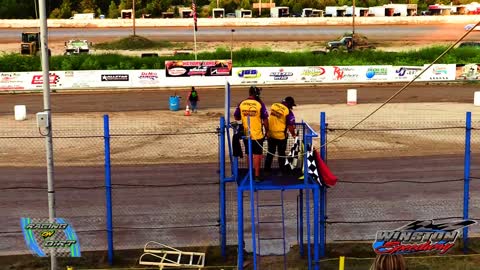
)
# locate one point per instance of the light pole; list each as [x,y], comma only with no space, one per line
[231,46]
[133,17]
[353,18]
[46,108]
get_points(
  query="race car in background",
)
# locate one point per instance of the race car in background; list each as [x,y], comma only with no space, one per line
[470,26]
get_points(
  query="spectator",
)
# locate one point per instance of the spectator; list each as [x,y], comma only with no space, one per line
[193,99]
[255,108]
[389,262]
[280,121]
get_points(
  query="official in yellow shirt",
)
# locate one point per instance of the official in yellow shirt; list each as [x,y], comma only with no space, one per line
[256,109]
[280,121]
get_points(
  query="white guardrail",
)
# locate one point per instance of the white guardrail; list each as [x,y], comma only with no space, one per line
[107,79]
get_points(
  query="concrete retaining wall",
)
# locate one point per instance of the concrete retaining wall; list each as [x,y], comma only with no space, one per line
[232,22]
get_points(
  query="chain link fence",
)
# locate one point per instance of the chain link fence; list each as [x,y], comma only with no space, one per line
[418,174]
[79,178]
[165,181]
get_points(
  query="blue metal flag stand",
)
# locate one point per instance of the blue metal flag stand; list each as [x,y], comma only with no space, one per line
[243,178]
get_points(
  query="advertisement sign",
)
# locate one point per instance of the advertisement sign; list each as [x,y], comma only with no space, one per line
[248,76]
[439,72]
[147,78]
[55,79]
[467,72]
[115,78]
[376,73]
[188,68]
[345,74]
[12,81]
[313,74]
[405,73]
[280,75]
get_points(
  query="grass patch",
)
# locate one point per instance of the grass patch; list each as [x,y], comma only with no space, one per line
[245,58]
[134,43]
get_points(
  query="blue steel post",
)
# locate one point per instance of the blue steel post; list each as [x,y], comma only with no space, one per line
[240,228]
[316,224]
[300,219]
[466,177]
[252,197]
[323,190]
[307,205]
[223,230]
[108,187]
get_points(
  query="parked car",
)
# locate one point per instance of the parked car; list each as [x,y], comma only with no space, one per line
[470,44]
[470,26]
[230,15]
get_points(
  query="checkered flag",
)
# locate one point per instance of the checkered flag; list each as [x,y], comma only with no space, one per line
[312,165]
[292,158]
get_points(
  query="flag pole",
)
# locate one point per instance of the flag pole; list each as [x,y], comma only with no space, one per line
[194,11]
[195,42]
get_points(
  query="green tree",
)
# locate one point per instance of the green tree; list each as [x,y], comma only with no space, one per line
[66,9]
[245,4]
[87,6]
[113,10]
[55,14]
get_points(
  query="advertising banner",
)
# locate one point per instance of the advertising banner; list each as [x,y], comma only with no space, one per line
[281,75]
[314,74]
[404,73]
[467,72]
[147,78]
[342,74]
[56,80]
[13,81]
[188,68]
[375,73]
[439,72]
[247,76]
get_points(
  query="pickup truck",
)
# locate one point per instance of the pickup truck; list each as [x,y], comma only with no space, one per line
[347,44]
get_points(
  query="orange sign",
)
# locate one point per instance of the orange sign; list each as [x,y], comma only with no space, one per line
[264,5]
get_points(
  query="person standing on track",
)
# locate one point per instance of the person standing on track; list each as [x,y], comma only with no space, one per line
[280,122]
[193,99]
[255,108]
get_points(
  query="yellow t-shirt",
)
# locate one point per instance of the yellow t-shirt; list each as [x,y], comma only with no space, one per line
[277,121]
[254,109]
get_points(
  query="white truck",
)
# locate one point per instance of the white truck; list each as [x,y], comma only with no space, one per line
[277,12]
[311,12]
[243,13]
[83,16]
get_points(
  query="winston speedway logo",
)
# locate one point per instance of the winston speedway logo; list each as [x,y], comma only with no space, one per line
[420,236]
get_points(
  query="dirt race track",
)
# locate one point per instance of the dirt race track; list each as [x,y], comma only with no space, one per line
[146,100]
[422,169]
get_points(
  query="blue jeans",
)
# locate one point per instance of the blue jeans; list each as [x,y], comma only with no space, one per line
[194,105]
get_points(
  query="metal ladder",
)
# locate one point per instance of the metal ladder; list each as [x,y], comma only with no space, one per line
[282,222]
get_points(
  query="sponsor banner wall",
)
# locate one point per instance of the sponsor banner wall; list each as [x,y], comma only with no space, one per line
[18,81]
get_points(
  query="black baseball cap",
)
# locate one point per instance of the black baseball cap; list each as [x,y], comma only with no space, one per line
[290,101]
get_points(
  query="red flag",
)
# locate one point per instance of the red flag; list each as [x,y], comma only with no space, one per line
[194,10]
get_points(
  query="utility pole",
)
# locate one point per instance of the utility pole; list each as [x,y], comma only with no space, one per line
[353,19]
[133,17]
[231,46]
[259,8]
[46,107]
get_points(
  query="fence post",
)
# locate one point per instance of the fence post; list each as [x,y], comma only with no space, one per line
[223,216]
[323,190]
[466,177]
[108,186]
